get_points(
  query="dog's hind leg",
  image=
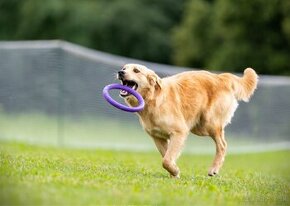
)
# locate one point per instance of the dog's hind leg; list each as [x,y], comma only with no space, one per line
[175,146]
[221,147]
[161,144]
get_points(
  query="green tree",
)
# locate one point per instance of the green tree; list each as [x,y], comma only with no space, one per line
[191,37]
[231,35]
[9,18]
[139,29]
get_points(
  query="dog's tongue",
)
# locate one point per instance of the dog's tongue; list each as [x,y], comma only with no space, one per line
[124,92]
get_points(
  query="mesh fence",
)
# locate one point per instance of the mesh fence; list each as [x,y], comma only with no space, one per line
[51,93]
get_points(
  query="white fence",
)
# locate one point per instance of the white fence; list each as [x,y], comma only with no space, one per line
[50,93]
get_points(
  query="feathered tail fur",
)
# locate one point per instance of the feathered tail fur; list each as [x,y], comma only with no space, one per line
[245,86]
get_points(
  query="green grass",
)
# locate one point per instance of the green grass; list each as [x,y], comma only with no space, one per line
[44,129]
[103,132]
[33,175]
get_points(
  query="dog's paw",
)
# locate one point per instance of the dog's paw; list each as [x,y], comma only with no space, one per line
[213,171]
[175,176]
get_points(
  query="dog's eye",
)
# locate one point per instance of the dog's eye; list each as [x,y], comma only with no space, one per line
[136,70]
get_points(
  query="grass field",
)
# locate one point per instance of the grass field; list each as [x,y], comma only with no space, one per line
[104,132]
[33,175]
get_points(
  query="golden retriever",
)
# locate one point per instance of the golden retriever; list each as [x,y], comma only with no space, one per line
[195,101]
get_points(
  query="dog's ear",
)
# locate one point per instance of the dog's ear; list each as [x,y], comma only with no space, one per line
[159,82]
[154,80]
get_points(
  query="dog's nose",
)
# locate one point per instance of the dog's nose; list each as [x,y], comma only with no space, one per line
[121,73]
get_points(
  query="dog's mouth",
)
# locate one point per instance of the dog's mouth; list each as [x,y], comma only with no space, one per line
[128,83]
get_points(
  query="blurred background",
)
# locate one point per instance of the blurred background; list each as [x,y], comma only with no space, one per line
[50,89]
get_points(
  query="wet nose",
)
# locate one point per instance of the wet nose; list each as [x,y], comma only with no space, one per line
[121,73]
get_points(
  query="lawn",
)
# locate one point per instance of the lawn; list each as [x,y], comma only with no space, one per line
[37,175]
[111,133]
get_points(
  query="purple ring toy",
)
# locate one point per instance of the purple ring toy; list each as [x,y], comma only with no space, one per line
[118,105]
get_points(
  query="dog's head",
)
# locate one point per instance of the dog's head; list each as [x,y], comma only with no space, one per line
[140,78]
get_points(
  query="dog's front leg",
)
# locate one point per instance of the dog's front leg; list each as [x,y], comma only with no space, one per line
[161,144]
[175,146]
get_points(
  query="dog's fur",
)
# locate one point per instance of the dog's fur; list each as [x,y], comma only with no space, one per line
[196,101]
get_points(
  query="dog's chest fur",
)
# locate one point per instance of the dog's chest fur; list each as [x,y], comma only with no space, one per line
[157,126]
[158,118]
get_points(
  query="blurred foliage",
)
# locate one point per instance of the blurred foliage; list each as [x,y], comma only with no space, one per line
[213,34]
[138,29]
[231,35]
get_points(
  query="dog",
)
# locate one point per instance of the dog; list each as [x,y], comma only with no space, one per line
[199,102]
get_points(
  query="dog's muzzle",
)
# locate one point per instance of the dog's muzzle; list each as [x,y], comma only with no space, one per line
[125,82]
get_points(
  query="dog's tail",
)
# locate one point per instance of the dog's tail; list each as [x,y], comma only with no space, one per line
[245,86]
